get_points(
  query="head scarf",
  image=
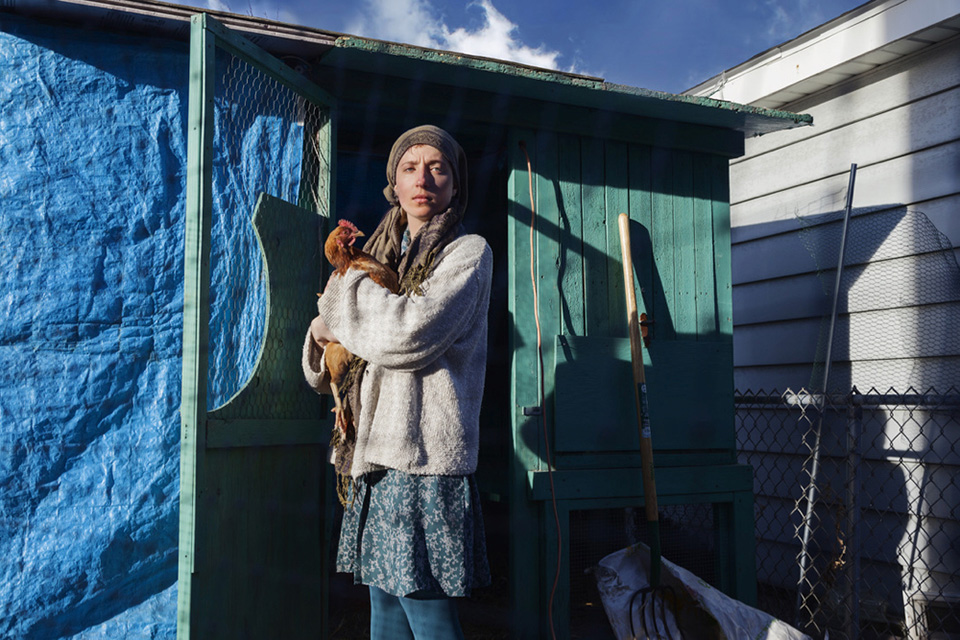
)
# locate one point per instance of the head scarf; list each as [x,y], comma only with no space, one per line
[413,267]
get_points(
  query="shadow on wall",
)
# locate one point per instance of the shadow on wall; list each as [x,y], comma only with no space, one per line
[896,332]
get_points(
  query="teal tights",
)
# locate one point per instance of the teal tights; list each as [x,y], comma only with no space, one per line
[414,617]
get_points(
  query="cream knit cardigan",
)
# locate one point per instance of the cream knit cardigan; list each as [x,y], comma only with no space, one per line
[426,358]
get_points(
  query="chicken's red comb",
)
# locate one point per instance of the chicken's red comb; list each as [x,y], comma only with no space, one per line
[348,225]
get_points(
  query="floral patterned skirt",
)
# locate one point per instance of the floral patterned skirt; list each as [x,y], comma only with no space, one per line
[406,533]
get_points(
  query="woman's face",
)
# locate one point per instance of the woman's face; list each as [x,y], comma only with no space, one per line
[424,182]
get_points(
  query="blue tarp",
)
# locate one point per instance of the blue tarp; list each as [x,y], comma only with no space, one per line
[92,170]
[92,185]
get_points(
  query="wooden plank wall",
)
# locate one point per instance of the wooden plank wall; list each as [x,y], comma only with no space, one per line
[678,202]
[901,125]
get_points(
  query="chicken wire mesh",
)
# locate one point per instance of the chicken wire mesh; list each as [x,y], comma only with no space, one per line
[857,501]
[898,307]
[266,140]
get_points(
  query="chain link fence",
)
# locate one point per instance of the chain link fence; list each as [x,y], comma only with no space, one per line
[857,504]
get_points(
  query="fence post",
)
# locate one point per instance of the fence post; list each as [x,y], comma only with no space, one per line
[852,504]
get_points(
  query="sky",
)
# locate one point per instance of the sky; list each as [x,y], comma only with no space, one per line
[664,45]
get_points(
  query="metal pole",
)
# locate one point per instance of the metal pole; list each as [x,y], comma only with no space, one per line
[836,282]
[815,464]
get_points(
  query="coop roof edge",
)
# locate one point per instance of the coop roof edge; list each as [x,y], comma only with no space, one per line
[560,86]
[283,39]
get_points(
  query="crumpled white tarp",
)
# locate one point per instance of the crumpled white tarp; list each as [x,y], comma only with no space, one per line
[683,606]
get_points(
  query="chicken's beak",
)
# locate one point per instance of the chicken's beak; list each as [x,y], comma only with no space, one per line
[360,234]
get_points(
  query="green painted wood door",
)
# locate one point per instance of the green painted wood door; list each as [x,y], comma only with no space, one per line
[254,523]
[572,397]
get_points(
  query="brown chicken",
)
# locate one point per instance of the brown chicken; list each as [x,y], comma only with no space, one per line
[341,253]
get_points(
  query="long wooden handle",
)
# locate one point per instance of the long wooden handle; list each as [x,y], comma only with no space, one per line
[640,384]
[633,324]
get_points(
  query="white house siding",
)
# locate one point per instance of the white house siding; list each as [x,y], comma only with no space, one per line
[899,315]
[901,125]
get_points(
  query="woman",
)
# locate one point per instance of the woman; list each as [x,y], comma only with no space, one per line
[414,532]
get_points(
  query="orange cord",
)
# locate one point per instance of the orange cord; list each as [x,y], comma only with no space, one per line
[543,410]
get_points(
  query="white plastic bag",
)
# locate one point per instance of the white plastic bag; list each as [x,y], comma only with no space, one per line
[684,606]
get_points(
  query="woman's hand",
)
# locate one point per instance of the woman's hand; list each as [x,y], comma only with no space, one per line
[321,332]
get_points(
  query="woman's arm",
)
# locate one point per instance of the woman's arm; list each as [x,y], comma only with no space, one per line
[311,361]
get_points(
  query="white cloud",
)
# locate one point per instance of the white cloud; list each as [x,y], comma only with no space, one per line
[217,5]
[497,38]
[780,24]
[417,22]
[268,9]
[407,21]
[788,20]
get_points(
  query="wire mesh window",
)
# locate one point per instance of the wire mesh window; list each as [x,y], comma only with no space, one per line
[857,504]
[265,141]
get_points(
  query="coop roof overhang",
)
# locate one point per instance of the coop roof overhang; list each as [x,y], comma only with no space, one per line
[714,122]
[521,81]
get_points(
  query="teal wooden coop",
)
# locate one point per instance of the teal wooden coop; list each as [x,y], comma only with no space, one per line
[257,510]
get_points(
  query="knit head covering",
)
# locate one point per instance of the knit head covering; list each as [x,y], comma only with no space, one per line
[384,244]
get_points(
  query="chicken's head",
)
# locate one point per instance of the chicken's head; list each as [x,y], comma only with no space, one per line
[346,233]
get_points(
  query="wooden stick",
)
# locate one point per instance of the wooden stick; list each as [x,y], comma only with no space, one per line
[640,397]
